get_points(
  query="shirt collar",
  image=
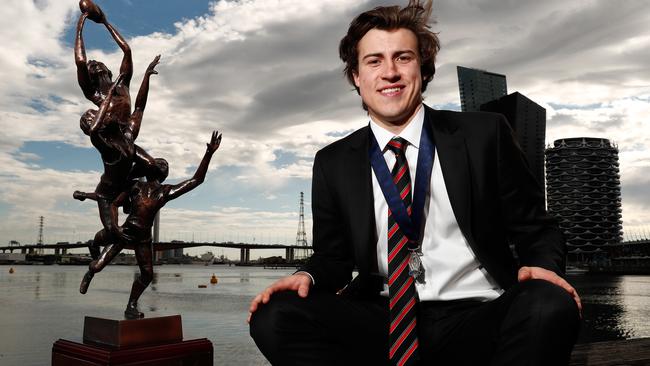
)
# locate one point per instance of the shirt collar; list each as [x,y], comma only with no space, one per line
[411,132]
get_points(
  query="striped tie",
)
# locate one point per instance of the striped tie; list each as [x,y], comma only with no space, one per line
[401,288]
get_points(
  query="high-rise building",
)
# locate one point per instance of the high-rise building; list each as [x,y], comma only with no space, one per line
[478,87]
[584,195]
[528,120]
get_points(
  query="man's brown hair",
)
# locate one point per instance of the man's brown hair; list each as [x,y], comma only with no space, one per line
[414,17]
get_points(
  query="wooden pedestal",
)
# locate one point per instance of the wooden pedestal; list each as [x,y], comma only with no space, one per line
[143,342]
[130,333]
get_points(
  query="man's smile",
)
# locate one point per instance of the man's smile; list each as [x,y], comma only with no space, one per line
[392,90]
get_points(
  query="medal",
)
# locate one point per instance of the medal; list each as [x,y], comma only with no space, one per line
[416,270]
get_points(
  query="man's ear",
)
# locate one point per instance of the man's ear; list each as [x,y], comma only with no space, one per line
[355,76]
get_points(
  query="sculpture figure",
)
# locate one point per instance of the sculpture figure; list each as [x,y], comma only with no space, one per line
[94,77]
[146,198]
[113,129]
[122,159]
[114,137]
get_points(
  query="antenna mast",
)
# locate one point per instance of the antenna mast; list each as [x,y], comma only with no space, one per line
[301,236]
[40,234]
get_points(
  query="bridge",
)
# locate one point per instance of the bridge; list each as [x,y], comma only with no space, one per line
[245,248]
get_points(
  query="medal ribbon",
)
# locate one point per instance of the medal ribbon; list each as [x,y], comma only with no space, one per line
[412,225]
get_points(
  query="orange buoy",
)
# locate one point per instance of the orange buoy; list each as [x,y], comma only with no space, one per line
[213,279]
[11,270]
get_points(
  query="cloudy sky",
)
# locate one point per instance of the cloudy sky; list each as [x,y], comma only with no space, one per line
[266,73]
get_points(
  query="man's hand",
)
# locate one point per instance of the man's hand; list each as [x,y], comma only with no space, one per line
[537,273]
[297,282]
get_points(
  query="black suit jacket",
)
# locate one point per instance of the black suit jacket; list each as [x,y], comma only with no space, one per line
[495,198]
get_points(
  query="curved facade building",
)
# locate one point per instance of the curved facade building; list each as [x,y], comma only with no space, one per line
[584,195]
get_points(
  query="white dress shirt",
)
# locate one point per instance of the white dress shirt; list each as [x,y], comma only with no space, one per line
[451,270]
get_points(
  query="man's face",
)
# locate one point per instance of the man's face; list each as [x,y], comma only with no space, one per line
[389,77]
[98,72]
[86,120]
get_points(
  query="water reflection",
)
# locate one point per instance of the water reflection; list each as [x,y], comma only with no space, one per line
[37,288]
[614,307]
[636,303]
[244,277]
[59,279]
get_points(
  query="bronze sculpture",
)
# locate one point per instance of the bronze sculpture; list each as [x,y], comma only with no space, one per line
[117,149]
[120,127]
[113,130]
[146,198]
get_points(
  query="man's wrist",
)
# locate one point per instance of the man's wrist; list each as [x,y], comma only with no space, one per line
[308,275]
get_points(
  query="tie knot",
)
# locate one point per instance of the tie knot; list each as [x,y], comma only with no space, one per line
[397,145]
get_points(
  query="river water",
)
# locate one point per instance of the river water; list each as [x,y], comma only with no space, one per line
[40,304]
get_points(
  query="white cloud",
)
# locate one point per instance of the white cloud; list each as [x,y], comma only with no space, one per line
[266,73]
[563,53]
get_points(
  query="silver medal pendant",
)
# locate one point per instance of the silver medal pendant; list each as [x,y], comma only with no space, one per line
[415,266]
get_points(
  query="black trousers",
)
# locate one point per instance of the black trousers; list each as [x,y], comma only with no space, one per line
[532,323]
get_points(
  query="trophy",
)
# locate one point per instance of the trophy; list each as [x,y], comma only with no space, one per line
[132,179]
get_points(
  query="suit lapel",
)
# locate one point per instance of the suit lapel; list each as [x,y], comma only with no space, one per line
[361,205]
[452,153]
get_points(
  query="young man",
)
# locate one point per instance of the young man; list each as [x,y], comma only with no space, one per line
[424,204]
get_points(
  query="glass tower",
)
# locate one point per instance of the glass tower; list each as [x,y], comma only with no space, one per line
[528,120]
[478,87]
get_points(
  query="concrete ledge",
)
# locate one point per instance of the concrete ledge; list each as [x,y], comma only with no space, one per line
[629,352]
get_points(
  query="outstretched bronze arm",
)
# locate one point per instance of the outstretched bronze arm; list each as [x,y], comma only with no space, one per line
[99,118]
[135,120]
[199,176]
[126,67]
[81,61]
[95,13]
